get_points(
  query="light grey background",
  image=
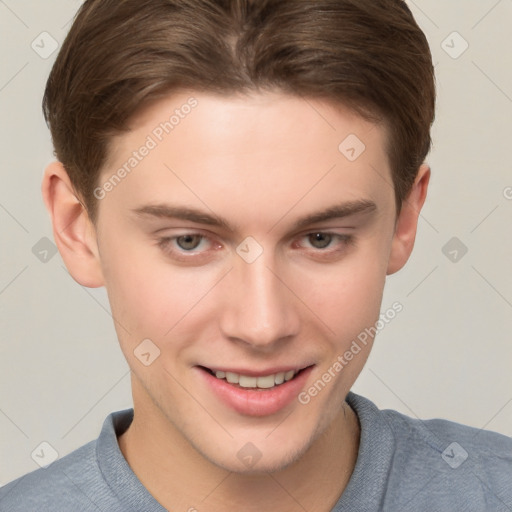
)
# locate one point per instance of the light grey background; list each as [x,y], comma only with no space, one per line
[447,354]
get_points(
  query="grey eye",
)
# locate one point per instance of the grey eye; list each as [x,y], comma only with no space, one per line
[320,240]
[188,242]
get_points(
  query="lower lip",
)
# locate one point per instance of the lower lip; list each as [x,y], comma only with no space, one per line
[257,402]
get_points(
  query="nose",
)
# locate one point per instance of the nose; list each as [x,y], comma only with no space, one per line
[259,309]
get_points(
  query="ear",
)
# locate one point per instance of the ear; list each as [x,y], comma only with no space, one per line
[73,231]
[407,221]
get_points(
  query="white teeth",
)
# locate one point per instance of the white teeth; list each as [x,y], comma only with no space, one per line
[247,382]
[289,375]
[232,378]
[266,382]
[263,382]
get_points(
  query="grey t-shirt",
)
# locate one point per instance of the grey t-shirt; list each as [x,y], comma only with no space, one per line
[403,464]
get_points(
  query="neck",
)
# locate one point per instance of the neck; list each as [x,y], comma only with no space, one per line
[180,478]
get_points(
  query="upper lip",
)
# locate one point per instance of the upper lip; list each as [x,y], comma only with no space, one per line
[257,373]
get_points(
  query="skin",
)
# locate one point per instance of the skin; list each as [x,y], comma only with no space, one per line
[261,162]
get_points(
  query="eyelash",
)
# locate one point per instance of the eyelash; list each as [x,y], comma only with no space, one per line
[165,244]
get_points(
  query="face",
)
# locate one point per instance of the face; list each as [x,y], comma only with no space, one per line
[244,244]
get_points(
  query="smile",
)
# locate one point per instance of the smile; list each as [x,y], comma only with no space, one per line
[255,392]
[261,382]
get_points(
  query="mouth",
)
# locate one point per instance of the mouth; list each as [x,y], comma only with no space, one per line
[255,392]
[255,382]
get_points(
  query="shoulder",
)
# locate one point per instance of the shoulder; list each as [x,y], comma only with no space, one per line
[74,482]
[444,460]
[437,462]
[453,442]
[63,485]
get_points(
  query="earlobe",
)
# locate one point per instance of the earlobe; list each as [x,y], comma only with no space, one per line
[73,231]
[407,222]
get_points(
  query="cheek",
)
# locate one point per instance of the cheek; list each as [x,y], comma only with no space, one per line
[349,295]
[148,295]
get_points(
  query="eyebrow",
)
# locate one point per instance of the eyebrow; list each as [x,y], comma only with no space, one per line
[340,211]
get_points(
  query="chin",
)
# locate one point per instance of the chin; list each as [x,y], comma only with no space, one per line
[250,460]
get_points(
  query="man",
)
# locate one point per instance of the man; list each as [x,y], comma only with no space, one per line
[242,177]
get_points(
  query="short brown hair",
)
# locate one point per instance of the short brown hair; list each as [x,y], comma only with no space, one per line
[369,55]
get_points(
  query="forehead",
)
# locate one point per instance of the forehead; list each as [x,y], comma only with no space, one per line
[270,150]
[273,117]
